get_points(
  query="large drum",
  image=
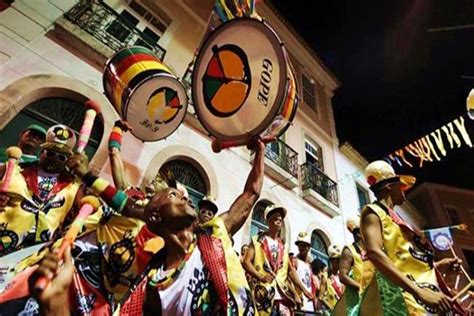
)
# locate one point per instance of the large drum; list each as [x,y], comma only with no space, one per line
[145,93]
[243,84]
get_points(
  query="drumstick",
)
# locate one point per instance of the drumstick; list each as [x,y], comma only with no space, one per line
[218,145]
[462,267]
[456,284]
[89,205]
[464,290]
[13,153]
[93,108]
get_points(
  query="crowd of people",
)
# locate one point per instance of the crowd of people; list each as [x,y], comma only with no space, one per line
[150,251]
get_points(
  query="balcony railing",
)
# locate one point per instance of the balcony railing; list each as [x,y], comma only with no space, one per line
[314,178]
[104,24]
[283,156]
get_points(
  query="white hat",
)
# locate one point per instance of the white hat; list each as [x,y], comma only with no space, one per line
[270,210]
[352,223]
[380,173]
[334,251]
[303,237]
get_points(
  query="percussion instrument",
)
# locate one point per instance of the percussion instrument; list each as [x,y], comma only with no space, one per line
[9,262]
[145,93]
[243,84]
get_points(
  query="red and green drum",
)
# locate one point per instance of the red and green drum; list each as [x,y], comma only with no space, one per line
[145,93]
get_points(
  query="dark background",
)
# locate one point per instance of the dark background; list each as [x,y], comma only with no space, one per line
[400,80]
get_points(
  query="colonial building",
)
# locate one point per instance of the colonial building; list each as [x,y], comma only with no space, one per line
[52,56]
[443,205]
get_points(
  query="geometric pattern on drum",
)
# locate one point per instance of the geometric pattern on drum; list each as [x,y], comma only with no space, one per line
[227,81]
[163,105]
[187,174]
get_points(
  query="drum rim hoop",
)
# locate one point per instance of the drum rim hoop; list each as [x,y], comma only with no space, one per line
[185,106]
[260,128]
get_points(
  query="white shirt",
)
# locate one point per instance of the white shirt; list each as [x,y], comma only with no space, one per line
[191,291]
[273,247]
[304,273]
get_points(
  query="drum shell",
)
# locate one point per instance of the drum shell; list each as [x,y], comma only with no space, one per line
[220,127]
[128,71]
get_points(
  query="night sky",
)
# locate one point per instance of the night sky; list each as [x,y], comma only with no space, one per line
[400,80]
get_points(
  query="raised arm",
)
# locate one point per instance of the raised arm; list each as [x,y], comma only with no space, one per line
[240,210]
[345,265]
[371,230]
[116,163]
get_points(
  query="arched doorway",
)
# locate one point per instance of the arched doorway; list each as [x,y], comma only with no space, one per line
[319,249]
[50,111]
[190,176]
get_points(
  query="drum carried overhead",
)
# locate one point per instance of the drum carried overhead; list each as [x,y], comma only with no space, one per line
[145,93]
[243,83]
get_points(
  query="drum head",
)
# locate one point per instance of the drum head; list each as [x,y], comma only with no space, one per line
[239,79]
[156,107]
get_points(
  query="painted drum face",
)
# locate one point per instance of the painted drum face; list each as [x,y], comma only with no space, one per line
[145,93]
[241,81]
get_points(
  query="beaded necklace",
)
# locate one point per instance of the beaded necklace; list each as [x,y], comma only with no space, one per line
[164,282]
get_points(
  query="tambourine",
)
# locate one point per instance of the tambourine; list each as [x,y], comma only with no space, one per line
[145,93]
[243,85]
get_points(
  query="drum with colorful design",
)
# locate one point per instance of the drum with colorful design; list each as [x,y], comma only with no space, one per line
[243,84]
[145,93]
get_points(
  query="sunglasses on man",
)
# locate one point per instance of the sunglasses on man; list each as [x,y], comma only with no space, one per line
[52,154]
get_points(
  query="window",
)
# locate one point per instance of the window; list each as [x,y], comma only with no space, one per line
[259,223]
[149,39]
[453,215]
[121,27]
[314,154]
[363,196]
[309,93]
[469,255]
[160,23]
[187,174]
[51,111]
[318,247]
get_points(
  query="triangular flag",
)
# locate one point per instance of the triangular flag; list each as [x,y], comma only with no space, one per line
[441,238]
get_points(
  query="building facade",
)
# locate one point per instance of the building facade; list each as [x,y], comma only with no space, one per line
[52,56]
[443,205]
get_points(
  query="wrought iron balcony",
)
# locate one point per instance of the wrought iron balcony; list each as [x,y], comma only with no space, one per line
[283,156]
[107,26]
[317,180]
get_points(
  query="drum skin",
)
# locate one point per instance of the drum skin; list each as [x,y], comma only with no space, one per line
[145,93]
[243,85]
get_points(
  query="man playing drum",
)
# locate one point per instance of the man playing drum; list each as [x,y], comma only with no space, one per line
[403,258]
[196,272]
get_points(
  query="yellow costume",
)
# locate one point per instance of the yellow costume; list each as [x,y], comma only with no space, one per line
[26,215]
[264,293]
[412,255]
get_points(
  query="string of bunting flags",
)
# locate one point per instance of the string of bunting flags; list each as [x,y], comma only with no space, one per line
[434,145]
